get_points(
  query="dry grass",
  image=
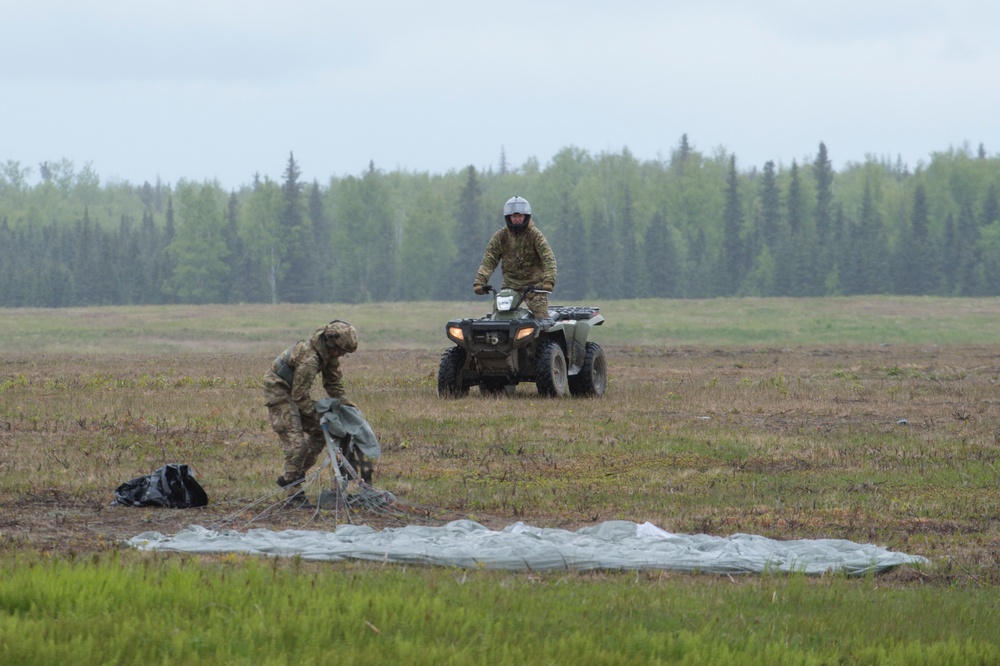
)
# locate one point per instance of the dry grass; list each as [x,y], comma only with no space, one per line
[895,445]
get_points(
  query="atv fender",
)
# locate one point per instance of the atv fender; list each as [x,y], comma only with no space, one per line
[572,335]
[581,330]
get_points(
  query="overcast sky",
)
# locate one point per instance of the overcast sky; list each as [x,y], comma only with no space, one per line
[223,89]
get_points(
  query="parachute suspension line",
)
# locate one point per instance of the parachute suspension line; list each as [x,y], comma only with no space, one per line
[265,506]
[380,504]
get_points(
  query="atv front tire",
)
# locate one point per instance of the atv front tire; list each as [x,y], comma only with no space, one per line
[593,376]
[550,370]
[450,382]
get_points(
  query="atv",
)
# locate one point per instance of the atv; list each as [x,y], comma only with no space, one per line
[510,346]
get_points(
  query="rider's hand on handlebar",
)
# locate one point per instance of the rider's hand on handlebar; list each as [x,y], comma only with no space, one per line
[478,288]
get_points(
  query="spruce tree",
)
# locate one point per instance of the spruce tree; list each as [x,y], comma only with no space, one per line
[991,207]
[149,251]
[569,243]
[700,282]
[920,274]
[471,236]
[56,281]
[966,240]
[660,255]
[238,289]
[732,260]
[630,266]
[85,268]
[166,260]
[794,205]
[132,274]
[300,283]
[795,268]
[605,236]
[823,174]
[870,249]
[108,280]
[680,155]
[770,207]
[822,249]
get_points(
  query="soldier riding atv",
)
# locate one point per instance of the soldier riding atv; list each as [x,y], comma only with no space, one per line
[511,346]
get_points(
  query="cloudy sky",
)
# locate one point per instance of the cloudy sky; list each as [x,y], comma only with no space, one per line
[223,89]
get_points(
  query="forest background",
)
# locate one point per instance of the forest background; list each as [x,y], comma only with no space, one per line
[690,225]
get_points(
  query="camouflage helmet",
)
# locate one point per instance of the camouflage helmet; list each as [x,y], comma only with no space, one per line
[341,335]
[517,205]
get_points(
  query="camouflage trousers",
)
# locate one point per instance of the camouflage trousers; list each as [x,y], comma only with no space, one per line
[301,438]
[538,304]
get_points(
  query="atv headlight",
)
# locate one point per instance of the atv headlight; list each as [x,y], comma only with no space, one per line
[523,333]
[455,333]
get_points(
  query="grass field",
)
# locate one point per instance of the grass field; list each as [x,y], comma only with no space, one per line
[869,419]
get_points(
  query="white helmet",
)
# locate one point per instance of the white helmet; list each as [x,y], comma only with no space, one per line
[517,205]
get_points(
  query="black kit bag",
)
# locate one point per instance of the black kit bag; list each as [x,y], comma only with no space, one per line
[171,486]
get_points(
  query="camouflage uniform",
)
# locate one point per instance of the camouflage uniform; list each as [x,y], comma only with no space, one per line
[526,259]
[290,406]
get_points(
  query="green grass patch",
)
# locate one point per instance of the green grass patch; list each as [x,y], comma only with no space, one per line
[896,320]
[131,609]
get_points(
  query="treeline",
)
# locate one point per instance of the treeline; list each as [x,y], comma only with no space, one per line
[689,225]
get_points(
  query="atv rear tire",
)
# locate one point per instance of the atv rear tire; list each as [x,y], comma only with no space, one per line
[450,382]
[550,370]
[593,376]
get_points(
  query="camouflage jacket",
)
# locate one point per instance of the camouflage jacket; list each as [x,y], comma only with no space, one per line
[305,360]
[525,258]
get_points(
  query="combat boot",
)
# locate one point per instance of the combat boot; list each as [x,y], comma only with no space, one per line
[285,483]
[299,501]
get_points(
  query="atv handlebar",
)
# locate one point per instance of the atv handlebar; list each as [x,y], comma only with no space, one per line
[530,289]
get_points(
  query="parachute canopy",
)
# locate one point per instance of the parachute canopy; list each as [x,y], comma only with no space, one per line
[612,545]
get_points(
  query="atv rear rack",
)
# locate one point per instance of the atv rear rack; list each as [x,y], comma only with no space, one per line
[576,312]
